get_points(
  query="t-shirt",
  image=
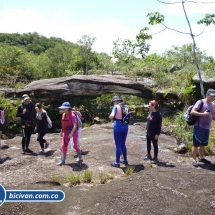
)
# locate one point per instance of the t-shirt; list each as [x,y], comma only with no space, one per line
[205,121]
[154,121]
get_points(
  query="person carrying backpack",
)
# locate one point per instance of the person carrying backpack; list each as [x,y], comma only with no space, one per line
[41,127]
[202,126]
[153,129]
[2,120]
[68,130]
[25,112]
[120,132]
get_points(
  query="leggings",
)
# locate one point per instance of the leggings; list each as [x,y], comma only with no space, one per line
[120,133]
[65,143]
[41,140]
[26,137]
[149,139]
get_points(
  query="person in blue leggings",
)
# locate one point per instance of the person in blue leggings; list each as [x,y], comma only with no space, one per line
[120,132]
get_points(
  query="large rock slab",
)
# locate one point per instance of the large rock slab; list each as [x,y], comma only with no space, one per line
[91,85]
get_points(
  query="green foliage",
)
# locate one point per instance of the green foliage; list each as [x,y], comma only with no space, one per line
[74,178]
[155,18]
[87,176]
[129,170]
[207,20]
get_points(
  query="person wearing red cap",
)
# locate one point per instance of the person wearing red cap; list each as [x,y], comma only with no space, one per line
[153,129]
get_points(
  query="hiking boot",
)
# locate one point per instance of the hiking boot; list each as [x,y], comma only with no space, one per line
[124,162]
[28,150]
[114,164]
[41,153]
[46,145]
[155,161]
[203,160]
[195,163]
[60,163]
[147,157]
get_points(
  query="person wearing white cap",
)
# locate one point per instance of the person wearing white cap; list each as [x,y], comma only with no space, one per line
[25,112]
[202,126]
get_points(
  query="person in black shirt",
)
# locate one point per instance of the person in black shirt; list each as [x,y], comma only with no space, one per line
[25,112]
[153,129]
[41,127]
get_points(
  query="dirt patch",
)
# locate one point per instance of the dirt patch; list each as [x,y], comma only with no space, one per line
[173,186]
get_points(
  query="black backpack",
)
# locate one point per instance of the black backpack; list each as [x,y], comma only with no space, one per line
[189,118]
[126,114]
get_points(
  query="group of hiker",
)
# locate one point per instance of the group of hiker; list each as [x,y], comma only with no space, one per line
[70,132]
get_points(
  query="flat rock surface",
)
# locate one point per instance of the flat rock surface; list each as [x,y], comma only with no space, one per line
[173,186]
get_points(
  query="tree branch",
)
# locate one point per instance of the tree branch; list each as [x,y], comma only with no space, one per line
[186,2]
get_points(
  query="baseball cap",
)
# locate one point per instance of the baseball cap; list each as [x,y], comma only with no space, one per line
[211,92]
[65,105]
[25,95]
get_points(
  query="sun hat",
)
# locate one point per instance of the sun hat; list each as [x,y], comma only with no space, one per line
[25,98]
[25,95]
[115,98]
[65,105]
[211,92]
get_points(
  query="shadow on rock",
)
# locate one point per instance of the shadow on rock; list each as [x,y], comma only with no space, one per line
[163,164]
[49,153]
[137,167]
[210,167]
[2,160]
[78,166]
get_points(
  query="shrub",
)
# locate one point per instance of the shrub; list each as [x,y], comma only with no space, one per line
[74,178]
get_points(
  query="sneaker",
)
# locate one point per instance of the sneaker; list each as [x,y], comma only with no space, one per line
[60,163]
[23,152]
[195,163]
[124,162]
[114,164]
[203,160]
[41,153]
[147,157]
[28,150]
[155,161]
[46,145]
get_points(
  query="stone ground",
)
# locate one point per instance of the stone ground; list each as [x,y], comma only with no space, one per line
[172,187]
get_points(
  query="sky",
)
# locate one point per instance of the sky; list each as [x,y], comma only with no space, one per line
[108,20]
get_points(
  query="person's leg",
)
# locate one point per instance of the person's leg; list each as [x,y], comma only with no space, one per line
[155,145]
[196,144]
[28,136]
[41,140]
[64,145]
[118,142]
[148,147]
[123,146]
[23,140]
[201,151]
[79,137]
[77,149]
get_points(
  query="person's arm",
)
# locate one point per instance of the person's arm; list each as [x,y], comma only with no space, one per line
[158,127]
[113,112]
[20,112]
[195,109]
[73,121]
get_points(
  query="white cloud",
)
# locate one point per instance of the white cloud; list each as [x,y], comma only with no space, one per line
[106,31]
[190,7]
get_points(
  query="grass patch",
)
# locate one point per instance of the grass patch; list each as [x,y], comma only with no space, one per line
[74,178]
[87,176]
[129,170]
[103,177]
[57,178]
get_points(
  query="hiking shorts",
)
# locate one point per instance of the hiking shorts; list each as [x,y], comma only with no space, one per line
[200,136]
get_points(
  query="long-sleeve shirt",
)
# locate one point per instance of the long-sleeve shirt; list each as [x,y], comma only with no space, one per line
[154,122]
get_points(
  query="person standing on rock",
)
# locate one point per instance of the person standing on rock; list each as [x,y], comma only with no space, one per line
[153,129]
[2,120]
[25,112]
[68,130]
[41,127]
[120,132]
[202,126]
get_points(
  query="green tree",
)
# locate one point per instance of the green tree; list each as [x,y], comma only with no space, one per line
[86,43]
[157,18]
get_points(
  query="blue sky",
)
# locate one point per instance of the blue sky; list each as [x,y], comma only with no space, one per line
[106,20]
